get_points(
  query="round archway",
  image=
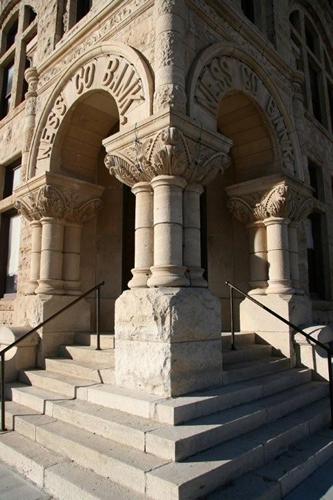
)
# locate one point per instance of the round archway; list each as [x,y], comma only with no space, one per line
[107,242]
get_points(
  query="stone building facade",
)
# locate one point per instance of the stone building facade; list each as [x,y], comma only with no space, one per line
[166,147]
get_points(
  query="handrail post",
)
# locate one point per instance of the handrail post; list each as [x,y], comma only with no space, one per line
[3,408]
[232,326]
[98,313]
[330,378]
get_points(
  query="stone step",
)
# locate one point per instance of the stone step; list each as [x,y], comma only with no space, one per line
[28,457]
[175,411]
[247,353]
[122,464]
[121,427]
[69,481]
[98,372]
[205,472]
[179,442]
[90,339]
[56,382]
[33,398]
[245,371]
[276,479]
[88,354]
[14,410]
[241,339]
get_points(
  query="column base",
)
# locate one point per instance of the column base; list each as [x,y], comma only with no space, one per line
[258,287]
[196,279]
[279,287]
[72,288]
[168,276]
[140,278]
[168,340]
[50,287]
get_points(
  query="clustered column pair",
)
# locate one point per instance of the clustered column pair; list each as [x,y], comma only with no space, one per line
[273,238]
[167,233]
[55,256]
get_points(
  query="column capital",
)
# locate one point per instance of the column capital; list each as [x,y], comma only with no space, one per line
[282,199]
[182,150]
[65,201]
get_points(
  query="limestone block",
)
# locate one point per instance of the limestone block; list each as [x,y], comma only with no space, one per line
[294,308]
[168,340]
[23,355]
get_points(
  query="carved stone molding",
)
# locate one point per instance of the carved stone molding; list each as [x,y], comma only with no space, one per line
[168,152]
[50,201]
[282,200]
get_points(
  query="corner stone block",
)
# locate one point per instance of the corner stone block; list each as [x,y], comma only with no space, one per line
[168,340]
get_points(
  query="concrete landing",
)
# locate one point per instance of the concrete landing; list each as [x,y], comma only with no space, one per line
[14,486]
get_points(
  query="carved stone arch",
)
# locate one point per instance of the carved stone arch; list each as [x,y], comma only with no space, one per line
[223,68]
[112,67]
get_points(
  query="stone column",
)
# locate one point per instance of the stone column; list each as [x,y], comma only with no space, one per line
[51,263]
[168,269]
[72,259]
[293,256]
[170,342]
[36,245]
[192,235]
[31,77]
[258,258]
[278,255]
[144,234]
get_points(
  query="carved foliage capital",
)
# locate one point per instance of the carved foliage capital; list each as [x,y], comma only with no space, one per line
[169,152]
[282,200]
[50,201]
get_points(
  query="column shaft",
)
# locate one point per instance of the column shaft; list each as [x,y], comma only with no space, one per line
[51,264]
[192,235]
[72,259]
[278,255]
[293,255]
[258,258]
[36,241]
[168,269]
[144,234]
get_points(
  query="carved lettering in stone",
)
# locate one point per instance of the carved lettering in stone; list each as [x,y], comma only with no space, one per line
[125,85]
[51,127]
[278,122]
[250,80]
[84,77]
[215,79]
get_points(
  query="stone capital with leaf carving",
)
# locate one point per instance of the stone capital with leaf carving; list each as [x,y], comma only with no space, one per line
[72,202]
[171,150]
[284,199]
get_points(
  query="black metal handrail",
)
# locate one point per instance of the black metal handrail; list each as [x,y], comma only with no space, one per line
[97,289]
[291,325]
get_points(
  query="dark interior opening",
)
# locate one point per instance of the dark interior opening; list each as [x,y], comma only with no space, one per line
[128,236]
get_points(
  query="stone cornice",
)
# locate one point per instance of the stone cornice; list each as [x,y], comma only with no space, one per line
[68,50]
[167,145]
[250,33]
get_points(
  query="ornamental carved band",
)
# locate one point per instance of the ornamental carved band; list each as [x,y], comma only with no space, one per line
[49,201]
[281,201]
[169,152]
[112,73]
[224,74]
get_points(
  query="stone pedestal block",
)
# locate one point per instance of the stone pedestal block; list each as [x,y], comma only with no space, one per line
[23,355]
[293,308]
[168,340]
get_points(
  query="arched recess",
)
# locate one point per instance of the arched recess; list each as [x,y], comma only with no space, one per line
[112,67]
[224,68]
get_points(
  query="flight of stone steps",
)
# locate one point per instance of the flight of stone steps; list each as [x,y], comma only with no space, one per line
[258,436]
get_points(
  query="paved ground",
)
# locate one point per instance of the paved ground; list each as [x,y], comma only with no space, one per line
[319,486]
[15,487]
